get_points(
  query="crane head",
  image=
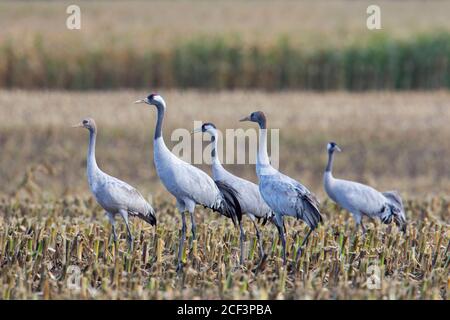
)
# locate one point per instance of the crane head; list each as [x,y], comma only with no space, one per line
[209,127]
[153,99]
[206,127]
[332,147]
[87,123]
[258,117]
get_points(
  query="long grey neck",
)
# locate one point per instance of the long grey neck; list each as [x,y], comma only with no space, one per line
[91,162]
[329,167]
[159,122]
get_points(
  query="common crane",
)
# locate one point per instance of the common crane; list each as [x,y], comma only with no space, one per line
[284,195]
[362,200]
[114,195]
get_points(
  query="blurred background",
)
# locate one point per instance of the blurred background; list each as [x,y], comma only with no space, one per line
[313,66]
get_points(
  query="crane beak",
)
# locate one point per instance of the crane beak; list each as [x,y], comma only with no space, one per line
[338,149]
[78,125]
[196,131]
[245,119]
[142,101]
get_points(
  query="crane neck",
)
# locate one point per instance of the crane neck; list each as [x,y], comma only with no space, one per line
[328,179]
[262,123]
[161,108]
[262,160]
[91,162]
[329,167]
[214,156]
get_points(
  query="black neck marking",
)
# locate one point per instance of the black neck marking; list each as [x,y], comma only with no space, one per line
[159,122]
[330,161]
[213,151]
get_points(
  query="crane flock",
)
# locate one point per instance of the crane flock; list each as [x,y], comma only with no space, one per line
[276,196]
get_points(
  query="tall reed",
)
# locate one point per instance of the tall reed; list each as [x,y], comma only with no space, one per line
[382,62]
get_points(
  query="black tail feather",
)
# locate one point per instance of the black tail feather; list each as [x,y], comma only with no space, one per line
[148,217]
[230,207]
[311,214]
[151,219]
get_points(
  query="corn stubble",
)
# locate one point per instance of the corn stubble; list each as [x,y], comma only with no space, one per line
[44,243]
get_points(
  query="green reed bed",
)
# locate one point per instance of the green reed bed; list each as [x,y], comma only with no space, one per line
[381,62]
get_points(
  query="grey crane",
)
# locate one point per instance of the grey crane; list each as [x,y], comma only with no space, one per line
[250,200]
[188,184]
[362,200]
[284,195]
[114,195]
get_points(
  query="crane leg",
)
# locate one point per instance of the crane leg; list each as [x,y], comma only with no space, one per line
[241,240]
[281,227]
[182,240]
[258,236]
[359,223]
[114,233]
[304,242]
[113,226]
[130,238]
[193,228]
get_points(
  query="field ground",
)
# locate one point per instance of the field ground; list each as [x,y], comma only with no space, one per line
[43,244]
[49,224]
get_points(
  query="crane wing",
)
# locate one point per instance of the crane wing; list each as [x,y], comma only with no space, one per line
[130,199]
[358,197]
[291,199]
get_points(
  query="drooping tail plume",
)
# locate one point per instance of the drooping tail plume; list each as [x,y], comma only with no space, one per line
[397,210]
[311,213]
[230,207]
[149,215]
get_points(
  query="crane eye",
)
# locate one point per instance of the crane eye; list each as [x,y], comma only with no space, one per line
[85,122]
